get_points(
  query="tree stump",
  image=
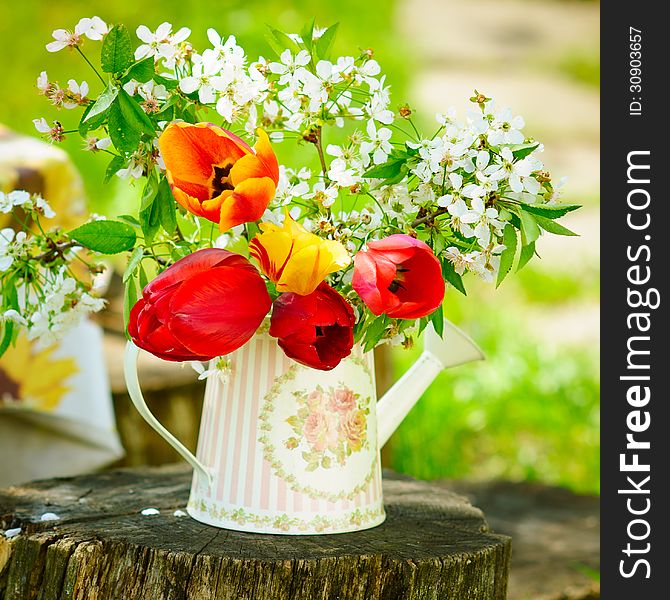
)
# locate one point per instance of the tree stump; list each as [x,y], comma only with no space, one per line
[433,545]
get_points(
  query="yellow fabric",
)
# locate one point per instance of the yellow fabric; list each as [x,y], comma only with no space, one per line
[27,160]
[34,378]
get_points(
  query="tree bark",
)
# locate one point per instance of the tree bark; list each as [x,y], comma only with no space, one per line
[434,545]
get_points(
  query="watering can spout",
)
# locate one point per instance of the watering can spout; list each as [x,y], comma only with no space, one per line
[452,349]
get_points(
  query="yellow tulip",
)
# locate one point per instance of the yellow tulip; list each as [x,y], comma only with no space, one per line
[295,259]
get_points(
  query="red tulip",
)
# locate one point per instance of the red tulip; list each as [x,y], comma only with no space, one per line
[399,276]
[315,330]
[207,304]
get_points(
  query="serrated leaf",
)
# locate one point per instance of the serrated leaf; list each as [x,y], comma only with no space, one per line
[508,254]
[149,221]
[114,165]
[128,122]
[129,219]
[134,262]
[553,226]
[101,105]
[167,208]
[325,42]
[375,331]
[279,41]
[7,334]
[150,190]
[170,84]
[130,296]
[550,211]
[530,230]
[520,151]
[94,123]
[450,275]
[386,170]
[144,280]
[105,237]
[142,71]
[117,53]
[437,319]
[307,33]
[525,255]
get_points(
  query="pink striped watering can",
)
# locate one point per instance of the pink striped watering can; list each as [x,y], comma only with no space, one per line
[288,449]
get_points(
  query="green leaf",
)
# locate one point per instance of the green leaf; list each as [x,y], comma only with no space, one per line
[130,296]
[149,221]
[508,254]
[101,107]
[117,53]
[529,228]
[325,42]
[553,226]
[390,168]
[128,122]
[169,83]
[142,71]
[450,275]
[307,33]
[106,237]
[144,280]
[437,319]
[150,190]
[114,165]
[279,41]
[133,263]
[550,211]
[129,219]
[526,254]
[167,208]
[375,331]
[520,151]
[7,334]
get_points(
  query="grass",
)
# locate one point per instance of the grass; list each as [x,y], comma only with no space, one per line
[531,410]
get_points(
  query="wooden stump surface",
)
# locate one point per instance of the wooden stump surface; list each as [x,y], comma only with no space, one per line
[433,545]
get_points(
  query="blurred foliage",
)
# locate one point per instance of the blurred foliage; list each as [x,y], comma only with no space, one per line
[582,65]
[531,410]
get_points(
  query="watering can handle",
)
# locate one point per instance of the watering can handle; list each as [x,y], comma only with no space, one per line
[132,383]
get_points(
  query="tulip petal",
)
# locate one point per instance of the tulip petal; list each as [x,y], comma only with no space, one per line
[191,151]
[148,333]
[187,267]
[219,310]
[247,202]
[314,330]
[399,276]
[247,167]
[265,152]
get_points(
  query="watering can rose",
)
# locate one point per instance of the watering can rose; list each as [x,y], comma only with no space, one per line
[207,304]
[216,175]
[295,259]
[399,276]
[315,330]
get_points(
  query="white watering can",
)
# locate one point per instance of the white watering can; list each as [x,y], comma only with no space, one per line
[288,449]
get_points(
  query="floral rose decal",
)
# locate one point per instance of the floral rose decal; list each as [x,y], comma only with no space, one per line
[331,423]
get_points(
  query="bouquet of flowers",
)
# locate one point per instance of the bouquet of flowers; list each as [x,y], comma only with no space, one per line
[354,242]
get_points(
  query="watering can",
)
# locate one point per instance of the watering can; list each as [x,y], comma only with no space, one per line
[288,449]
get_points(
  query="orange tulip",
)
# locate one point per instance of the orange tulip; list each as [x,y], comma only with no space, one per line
[216,175]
